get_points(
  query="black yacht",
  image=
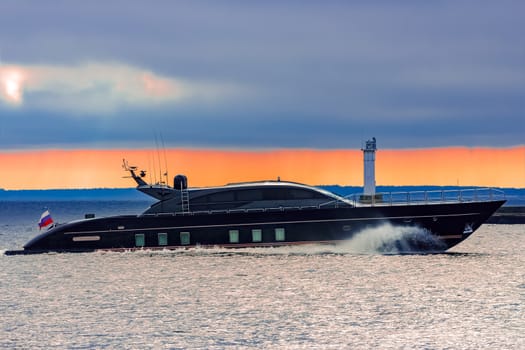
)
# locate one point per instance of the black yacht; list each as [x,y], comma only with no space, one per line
[273,213]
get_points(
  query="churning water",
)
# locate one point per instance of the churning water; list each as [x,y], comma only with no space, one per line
[347,296]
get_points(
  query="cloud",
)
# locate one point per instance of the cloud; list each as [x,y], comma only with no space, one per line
[271,74]
[101,88]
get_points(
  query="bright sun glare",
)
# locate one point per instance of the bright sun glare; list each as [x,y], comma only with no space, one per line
[12,86]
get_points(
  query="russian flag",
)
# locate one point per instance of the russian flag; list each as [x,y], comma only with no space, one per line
[45,219]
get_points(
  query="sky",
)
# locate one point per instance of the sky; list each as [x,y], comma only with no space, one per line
[295,82]
[455,166]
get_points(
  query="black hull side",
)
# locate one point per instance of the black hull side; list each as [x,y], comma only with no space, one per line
[448,223]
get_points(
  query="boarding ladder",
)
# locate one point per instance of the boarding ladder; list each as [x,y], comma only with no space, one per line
[185,200]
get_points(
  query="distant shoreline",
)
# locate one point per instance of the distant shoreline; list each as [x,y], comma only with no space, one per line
[74,194]
[515,197]
[508,215]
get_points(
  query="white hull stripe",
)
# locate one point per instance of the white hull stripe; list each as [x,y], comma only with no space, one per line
[268,223]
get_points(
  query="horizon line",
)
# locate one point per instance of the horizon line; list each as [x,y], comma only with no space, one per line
[196,187]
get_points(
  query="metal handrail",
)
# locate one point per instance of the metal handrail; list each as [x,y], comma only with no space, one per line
[427,197]
[379,199]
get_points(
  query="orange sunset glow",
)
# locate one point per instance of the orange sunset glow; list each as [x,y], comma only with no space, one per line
[59,169]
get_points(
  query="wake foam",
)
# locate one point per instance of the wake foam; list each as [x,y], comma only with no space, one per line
[389,239]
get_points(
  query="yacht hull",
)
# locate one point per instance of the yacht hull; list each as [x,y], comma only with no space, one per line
[444,225]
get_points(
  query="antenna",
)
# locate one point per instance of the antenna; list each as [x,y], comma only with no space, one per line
[165,159]
[149,167]
[154,169]
[158,157]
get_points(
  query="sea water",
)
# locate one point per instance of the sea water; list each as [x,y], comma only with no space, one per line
[314,297]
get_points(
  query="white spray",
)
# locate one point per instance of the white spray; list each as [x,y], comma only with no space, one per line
[390,239]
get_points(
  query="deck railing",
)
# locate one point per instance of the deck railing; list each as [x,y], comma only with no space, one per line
[379,199]
[427,197]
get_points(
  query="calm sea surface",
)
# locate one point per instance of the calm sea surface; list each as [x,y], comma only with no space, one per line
[313,297]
